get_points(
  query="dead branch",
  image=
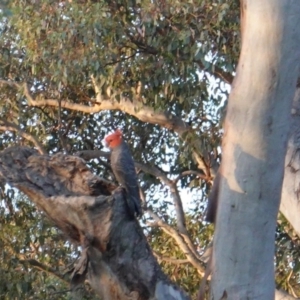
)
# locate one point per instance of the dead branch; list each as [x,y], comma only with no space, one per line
[116,258]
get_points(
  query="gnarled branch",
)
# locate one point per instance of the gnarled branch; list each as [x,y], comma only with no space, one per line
[116,257]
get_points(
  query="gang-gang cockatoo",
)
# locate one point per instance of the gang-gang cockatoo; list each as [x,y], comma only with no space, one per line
[123,168]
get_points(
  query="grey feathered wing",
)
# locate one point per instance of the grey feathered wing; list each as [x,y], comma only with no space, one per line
[124,171]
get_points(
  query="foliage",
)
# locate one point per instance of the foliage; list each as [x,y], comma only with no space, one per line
[173,260]
[287,257]
[171,57]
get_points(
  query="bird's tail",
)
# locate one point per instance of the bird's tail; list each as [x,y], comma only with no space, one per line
[134,206]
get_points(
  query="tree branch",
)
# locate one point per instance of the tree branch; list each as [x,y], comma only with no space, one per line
[175,261]
[42,267]
[116,256]
[180,218]
[9,83]
[194,259]
[191,172]
[131,107]
[7,126]
[156,172]
[145,114]
[216,71]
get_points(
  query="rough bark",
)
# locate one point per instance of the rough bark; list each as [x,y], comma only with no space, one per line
[116,258]
[254,148]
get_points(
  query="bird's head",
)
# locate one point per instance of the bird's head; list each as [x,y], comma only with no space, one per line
[113,139]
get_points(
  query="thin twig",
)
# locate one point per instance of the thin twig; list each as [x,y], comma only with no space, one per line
[195,261]
[175,261]
[198,174]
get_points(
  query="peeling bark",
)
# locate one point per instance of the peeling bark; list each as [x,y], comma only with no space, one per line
[281,295]
[290,198]
[116,258]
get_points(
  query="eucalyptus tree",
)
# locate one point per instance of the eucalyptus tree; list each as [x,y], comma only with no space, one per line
[72,71]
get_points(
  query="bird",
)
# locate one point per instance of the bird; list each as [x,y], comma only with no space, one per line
[122,165]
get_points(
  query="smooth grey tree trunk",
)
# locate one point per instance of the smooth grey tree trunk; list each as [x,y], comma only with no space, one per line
[254,147]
